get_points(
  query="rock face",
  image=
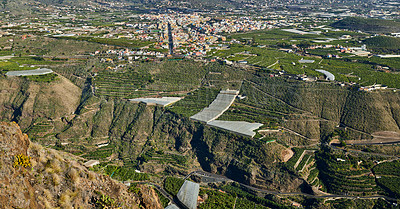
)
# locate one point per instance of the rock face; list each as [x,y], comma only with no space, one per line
[56,179]
[25,101]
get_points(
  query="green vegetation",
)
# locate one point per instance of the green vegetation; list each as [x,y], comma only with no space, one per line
[155,78]
[313,174]
[388,177]
[173,184]
[121,84]
[368,25]
[360,203]
[361,70]
[348,174]
[40,127]
[297,153]
[243,203]
[390,184]
[164,200]
[195,101]
[258,107]
[245,196]
[43,78]
[383,44]
[134,189]
[100,153]
[161,158]
[106,202]
[217,200]
[116,42]
[388,168]
[12,66]
[303,162]
[124,173]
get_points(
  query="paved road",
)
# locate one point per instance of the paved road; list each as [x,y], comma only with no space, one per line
[374,143]
[219,178]
[366,153]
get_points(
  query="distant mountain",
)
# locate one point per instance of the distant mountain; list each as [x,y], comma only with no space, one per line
[368,25]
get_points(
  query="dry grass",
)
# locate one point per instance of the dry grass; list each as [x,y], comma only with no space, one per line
[65,202]
[73,174]
[35,147]
[53,166]
[34,162]
[56,155]
[65,199]
[48,194]
[47,205]
[56,179]
[92,175]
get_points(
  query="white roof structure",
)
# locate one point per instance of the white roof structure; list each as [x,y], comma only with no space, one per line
[306,61]
[188,194]
[388,55]
[172,206]
[302,32]
[239,127]
[329,76]
[39,71]
[223,101]
[163,101]
[91,163]
[64,35]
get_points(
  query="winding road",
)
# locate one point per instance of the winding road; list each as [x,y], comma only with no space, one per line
[219,178]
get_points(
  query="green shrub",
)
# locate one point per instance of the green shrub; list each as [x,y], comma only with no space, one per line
[173,184]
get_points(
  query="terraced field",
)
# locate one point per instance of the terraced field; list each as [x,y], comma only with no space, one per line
[258,107]
[388,177]
[127,84]
[195,101]
[341,174]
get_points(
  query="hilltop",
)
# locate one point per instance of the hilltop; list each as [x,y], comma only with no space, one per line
[36,177]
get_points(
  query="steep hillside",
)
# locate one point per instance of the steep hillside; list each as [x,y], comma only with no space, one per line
[126,136]
[25,101]
[362,112]
[32,176]
[158,140]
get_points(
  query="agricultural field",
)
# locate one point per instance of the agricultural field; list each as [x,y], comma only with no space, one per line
[216,199]
[169,78]
[120,173]
[109,41]
[347,174]
[172,185]
[296,156]
[247,199]
[160,157]
[389,177]
[361,70]
[123,84]
[46,46]
[195,101]
[258,107]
